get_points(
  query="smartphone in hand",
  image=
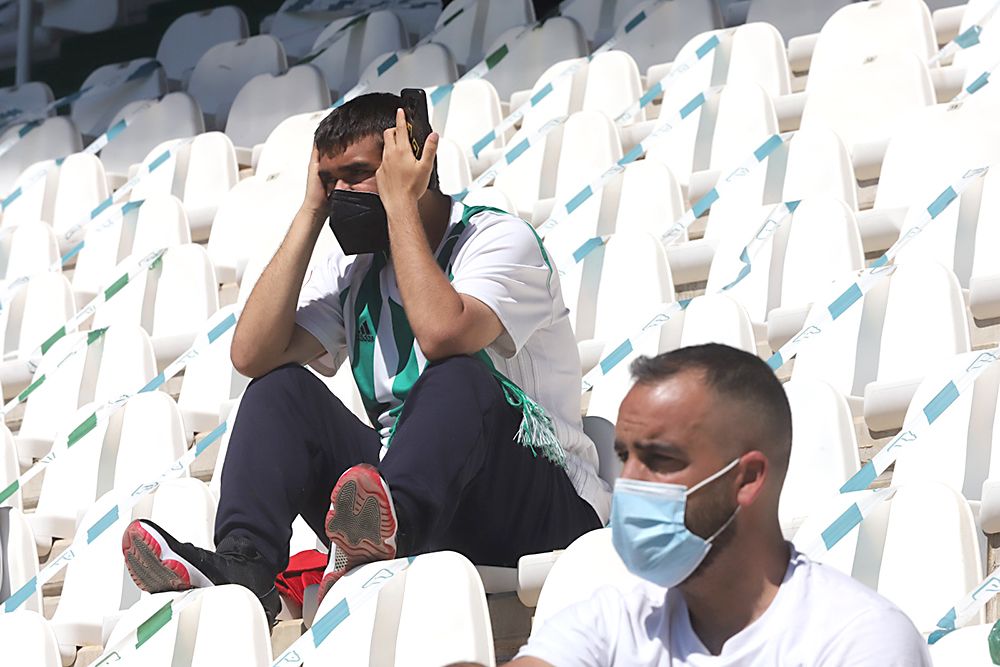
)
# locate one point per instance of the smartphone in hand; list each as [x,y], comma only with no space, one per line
[418,124]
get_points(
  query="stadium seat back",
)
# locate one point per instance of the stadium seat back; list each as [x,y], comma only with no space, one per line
[88,17]
[947,566]
[28,639]
[454,174]
[472,109]
[612,84]
[28,96]
[169,178]
[426,66]
[341,62]
[715,318]
[859,30]
[176,116]
[958,450]
[267,99]
[290,144]
[559,38]
[668,26]
[225,68]
[56,138]
[824,450]
[35,201]
[9,470]
[649,197]
[192,34]
[758,56]
[469,29]
[83,185]
[29,249]
[94,114]
[36,311]
[432,613]
[794,18]
[211,172]
[819,165]
[161,223]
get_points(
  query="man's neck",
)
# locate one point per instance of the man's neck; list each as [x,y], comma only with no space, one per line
[735,589]
[435,215]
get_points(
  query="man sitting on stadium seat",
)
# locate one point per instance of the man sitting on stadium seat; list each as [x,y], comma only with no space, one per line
[705,436]
[454,327]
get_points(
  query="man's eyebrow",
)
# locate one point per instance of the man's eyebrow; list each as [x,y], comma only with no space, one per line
[661,448]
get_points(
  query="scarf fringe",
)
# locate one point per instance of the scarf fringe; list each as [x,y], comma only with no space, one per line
[536,431]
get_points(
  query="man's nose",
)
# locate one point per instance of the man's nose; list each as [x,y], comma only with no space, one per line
[342,185]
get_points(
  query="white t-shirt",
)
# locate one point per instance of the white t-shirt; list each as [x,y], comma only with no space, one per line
[498,260]
[820,617]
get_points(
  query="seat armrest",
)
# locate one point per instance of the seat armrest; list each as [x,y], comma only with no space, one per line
[800,50]
[789,110]
[886,403]
[947,82]
[784,322]
[532,570]
[880,227]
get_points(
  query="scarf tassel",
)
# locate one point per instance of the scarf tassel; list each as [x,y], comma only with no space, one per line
[536,431]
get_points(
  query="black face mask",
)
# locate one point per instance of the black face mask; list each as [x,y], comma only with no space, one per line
[359,222]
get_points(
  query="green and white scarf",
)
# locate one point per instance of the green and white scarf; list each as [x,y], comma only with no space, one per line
[536,431]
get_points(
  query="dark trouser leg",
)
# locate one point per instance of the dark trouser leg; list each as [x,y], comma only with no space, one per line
[460,482]
[291,442]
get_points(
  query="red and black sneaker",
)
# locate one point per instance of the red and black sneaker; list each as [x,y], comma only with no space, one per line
[157,563]
[361,523]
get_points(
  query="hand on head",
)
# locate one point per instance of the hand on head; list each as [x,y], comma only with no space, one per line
[402,178]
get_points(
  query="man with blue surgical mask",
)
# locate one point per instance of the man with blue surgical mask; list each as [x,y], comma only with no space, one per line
[705,435]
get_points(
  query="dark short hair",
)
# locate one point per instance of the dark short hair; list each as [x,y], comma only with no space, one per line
[364,116]
[732,375]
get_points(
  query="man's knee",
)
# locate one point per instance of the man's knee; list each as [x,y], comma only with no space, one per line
[463,375]
[290,380]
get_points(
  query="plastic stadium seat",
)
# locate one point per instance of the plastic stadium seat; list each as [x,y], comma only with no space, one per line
[209,381]
[37,310]
[426,66]
[171,301]
[818,165]
[454,174]
[643,198]
[19,557]
[35,201]
[341,62]
[818,244]
[93,114]
[297,31]
[211,172]
[432,613]
[470,29]
[30,96]
[589,146]
[83,184]
[225,68]
[596,18]
[559,38]
[29,248]
[56,138]
[881,553]
[876,353]
[289,146]
[864,102]
[267,99]
[824,450]
[959,449]
[168,179]
[489,196]
[469,112]
[97,586]
[174,117]
[119,363]
[601,296]
[135,444]
[714,318]
[794,18]
[82,15]
[587,565]
[968,646]
[668,26]
[929,150]
[861,30]
[161,223]
[253,217]
[96,262]
[226,627]
[194,33]
[612,84]
[27,639]
[9,469]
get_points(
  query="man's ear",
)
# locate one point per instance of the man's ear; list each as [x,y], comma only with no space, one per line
[754,469]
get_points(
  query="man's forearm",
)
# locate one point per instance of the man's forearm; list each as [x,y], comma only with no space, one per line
[432,305]
[265,328]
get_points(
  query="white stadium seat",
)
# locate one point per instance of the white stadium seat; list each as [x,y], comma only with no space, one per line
[54,139]
[342,60]
[192,34]
[83,184]
[469,30]
[27,639]
[227,67]
[36,200]
[426,66]
[20,559]
[93,115]
[29,248]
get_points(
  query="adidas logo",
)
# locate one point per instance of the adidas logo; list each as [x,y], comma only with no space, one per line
[365,334]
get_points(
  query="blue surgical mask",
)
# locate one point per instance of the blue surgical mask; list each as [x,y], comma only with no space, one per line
[649,533]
